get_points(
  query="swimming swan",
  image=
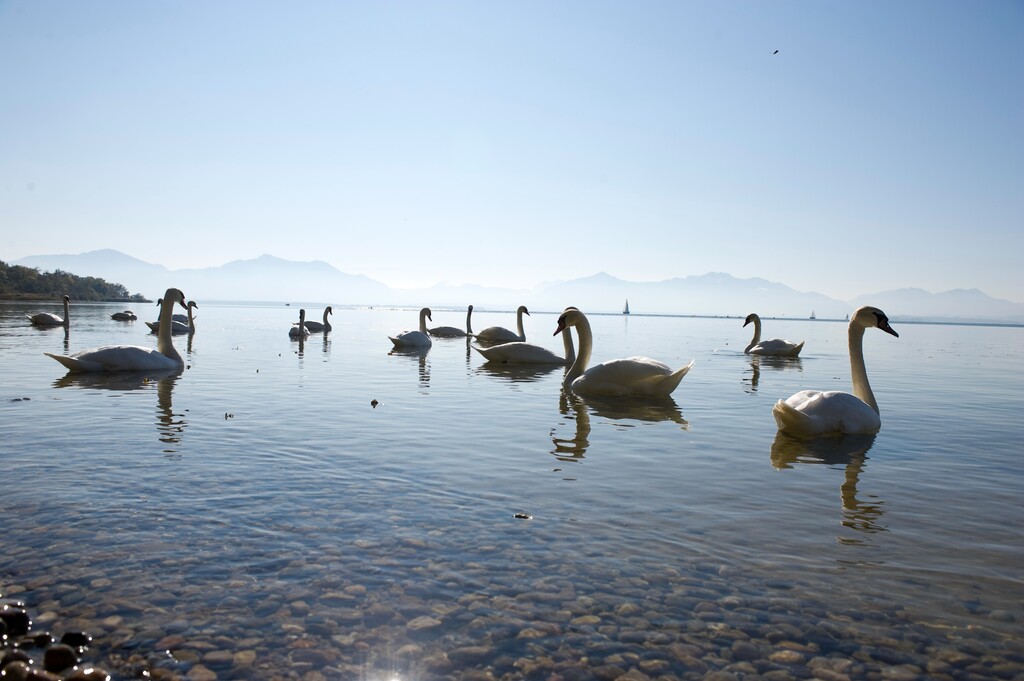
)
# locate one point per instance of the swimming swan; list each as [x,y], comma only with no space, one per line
[454,331]
[180,324]
[316,327]
[126,316]
[132,357]
[776,347]
[499,334]
[810,413]
[50,319]
[527,353]
[617,377]
[415,339]
[299,330]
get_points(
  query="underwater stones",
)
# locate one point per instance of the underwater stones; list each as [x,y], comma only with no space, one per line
[59,657]
[16,619]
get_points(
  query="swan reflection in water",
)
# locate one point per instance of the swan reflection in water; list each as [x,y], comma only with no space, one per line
[768,362]
[580,409]
[420,355]
[848,451]
[518,373]
[170,426]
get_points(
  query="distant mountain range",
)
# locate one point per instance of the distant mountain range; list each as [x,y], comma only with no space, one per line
[268,278]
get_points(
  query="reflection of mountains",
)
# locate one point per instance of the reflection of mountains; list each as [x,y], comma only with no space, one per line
[169,425]
[647,409]
[849,451]
[767,362]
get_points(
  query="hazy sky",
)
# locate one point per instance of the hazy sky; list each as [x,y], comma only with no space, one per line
[510,143]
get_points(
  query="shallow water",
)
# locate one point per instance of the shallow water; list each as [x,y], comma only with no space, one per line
[478,521]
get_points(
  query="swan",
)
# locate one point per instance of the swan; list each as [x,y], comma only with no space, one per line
[454,331]
[50,319]
[499,334]
[126,316]
[316,327]
[776,347]
[617,377]
[810,413]
[132,357]
[415,339]
[527,353]
[299,330]
[180,324]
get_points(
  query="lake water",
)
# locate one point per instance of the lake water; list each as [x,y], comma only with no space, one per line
[257,517]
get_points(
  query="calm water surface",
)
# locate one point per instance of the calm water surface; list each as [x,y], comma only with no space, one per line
[256,517]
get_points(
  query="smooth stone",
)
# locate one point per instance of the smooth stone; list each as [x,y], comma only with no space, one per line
[59,657]
[201,673]
[88,674]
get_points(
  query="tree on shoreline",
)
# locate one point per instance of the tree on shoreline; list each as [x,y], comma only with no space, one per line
[29,283]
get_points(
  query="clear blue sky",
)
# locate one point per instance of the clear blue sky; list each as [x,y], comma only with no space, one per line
[510,143]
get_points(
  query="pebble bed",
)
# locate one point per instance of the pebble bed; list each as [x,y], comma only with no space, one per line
[406,618]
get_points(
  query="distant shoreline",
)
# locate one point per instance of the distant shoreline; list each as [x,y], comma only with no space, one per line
[39,297]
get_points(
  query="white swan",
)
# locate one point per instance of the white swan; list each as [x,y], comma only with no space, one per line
[499,334]
[299,330]
[126,316]
[776,347]
[50,319]
[810,413]
[454,331]
[527,353]
[415,339]
[617,377]
[132,357]
[180,324]
[317,327]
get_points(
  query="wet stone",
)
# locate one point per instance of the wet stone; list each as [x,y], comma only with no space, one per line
[59,657]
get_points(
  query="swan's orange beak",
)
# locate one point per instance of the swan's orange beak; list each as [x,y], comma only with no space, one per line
[561,327]
[884,326]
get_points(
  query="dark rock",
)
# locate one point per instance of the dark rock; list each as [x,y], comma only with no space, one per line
[59,657]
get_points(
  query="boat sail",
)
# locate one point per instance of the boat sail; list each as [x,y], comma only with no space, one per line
[625,310]
[813,315]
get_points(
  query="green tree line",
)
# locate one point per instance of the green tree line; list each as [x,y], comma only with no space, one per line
[28,282]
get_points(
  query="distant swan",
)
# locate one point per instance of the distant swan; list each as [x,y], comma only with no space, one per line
[415,339]
[180,324]
[776,347]
[617,377]
[50,319]
[454,331]
[499,334]
[299,330]
[810,413]
[126,316]
[527,353]
[316,327]
[132,357]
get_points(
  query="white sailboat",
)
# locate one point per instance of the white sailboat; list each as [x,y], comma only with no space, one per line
[813,315]
[625,310]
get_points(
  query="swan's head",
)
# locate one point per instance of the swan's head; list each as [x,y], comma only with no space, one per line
[329,310]
[470,308]
[67,299]
[570,317]
[425,312]
[175,296]
[868,316]
[522,310]
[302,313]
[751,318]
[192,303]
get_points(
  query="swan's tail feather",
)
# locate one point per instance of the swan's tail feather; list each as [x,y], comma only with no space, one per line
[791,420]
[73,363]
[671,382]
[797,349]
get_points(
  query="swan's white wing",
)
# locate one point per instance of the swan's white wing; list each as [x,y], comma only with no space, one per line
[116,358]
[630,376]
[777,347]
[411,339]
[810,413]
[520,353]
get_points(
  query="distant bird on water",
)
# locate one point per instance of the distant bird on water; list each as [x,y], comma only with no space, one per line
[775,52]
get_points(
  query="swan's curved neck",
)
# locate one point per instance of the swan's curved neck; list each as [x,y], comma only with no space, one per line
[567,345]
[164,344]
[519,323]
[757,334]
[469,315]
[859,372]
[423,321]
[67,313]
[325,316]
[586,341]
[191,322]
